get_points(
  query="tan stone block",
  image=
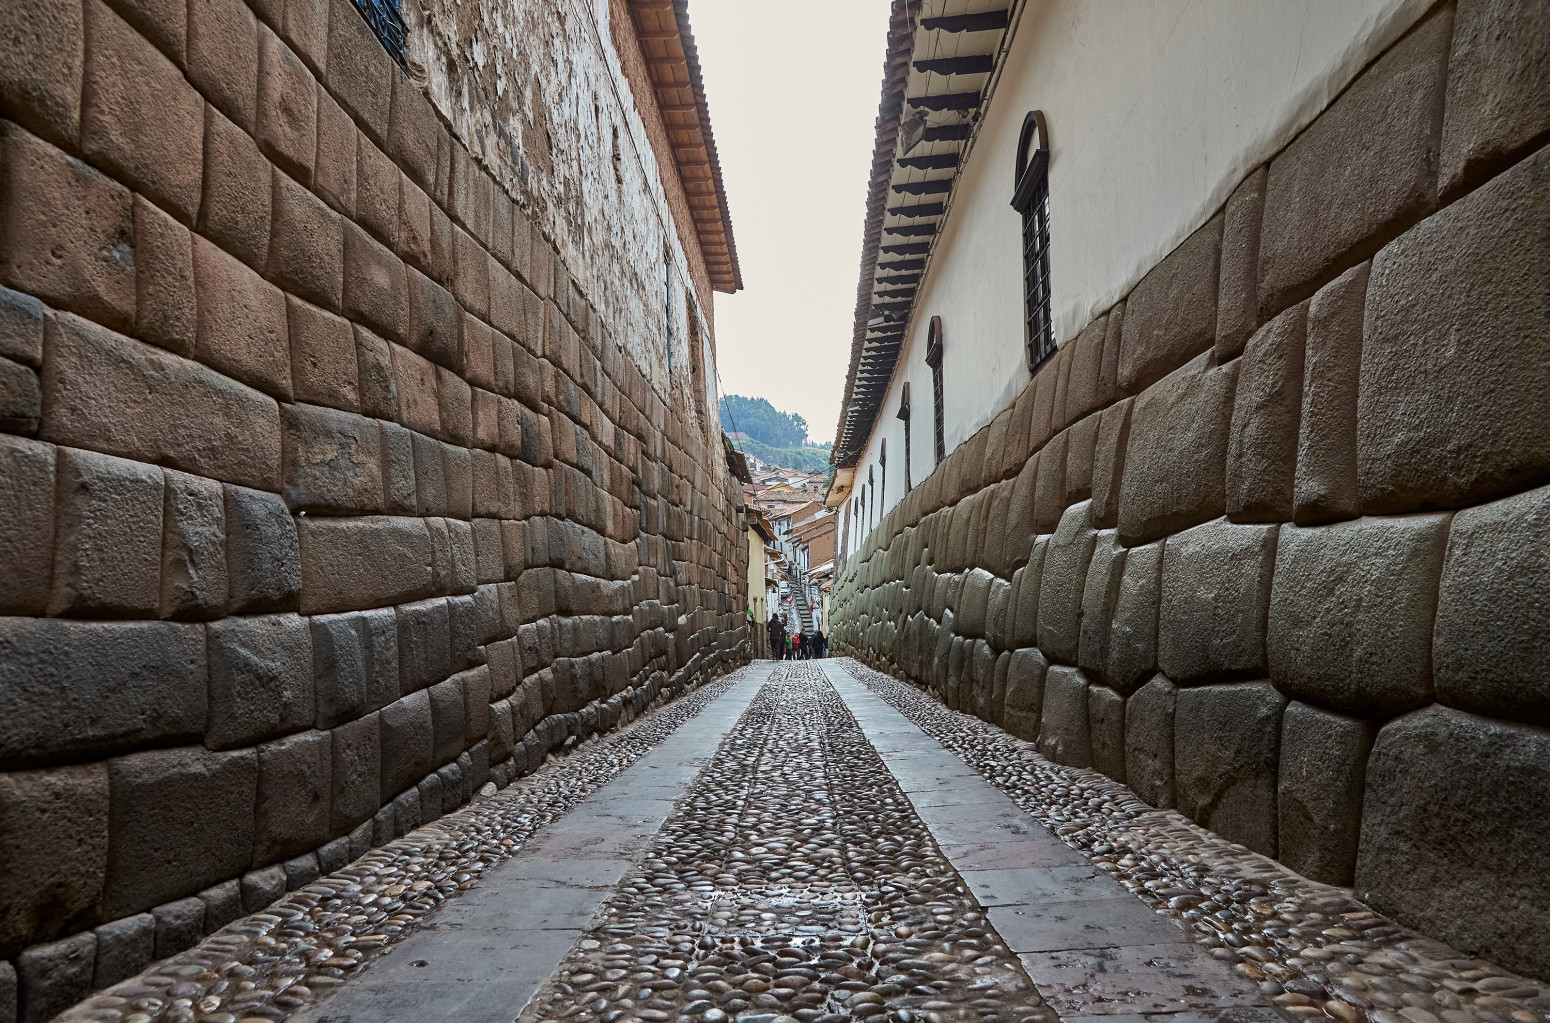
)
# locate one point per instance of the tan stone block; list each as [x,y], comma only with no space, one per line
[1081,443]
[223,57]
[27,506]
[412,132]
[374,285]
[359,72]
[306,244]
[140,120]
[376,191]
[304,25]
[242,328]
[238,196]
[414,224]
[333,460]
[434,319]
[334,167]
[68,231]
[164,280]
[374,363]
[1109,463]
[349,564]
[419,403]
[1049,494]
[287,108]
[323,357]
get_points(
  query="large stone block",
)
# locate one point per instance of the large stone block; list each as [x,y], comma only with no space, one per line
[287,122]
[406,743]
[295,785]
[180,820]
[241,322]
[223,57]
[55,976]
[53,852]
[972,603]
[1267,405]
[356,773]
[306,244]
[1360,173]
[1109,463]
[107,553]
[164,280]
[68,232]
[1176,454]
[1351,612]
[424,644]
[75,689]
[140,120]
[1319,791]
[324,370]
[235,208]
[363,562]
[1452,834]
[1106,718]
[40,69]
[1498,71]
[1065,735]
[1226,748]
[1325,487]
[1149,742]
[1237,303]
[21,398]
[260,679]
[27,507]
[109,393]
[263,571]
[193,554]
[374,284]
[1049,485]
[1098,596]
[1131,651]
[1170,316]
[1491,646]
[1063,580]
[333,460]
[1455,377]
[1216,581]
[124,948]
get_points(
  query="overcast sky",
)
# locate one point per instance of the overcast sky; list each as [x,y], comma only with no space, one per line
[793,91]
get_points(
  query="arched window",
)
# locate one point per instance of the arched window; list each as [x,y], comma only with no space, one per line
[934,360]
[1030,197]
[904,414]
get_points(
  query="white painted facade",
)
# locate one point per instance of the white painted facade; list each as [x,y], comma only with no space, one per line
[1155,110]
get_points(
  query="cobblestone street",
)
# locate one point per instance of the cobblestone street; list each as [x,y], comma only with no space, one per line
[815,842]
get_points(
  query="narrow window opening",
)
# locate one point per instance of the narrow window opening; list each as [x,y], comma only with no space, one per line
[882,461]
[1030,197]
[667,303]
[934,360]
[387,24]
[904,414]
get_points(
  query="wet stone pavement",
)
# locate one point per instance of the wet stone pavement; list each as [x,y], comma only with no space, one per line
[793,881]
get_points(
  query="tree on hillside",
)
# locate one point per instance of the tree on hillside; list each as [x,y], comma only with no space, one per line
[760,420]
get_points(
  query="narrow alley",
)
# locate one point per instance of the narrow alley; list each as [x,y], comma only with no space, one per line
[813,842]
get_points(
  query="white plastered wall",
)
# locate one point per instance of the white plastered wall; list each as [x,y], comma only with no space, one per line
[1156,110]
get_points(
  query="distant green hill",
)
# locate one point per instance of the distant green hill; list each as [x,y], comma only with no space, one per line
[770,435]
[808,458]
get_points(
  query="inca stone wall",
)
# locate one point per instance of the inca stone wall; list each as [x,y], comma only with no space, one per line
[1270,540]
[327,494]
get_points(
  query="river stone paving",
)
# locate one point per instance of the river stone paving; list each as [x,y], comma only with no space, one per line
[272,964]
[1315,951]
[793,882]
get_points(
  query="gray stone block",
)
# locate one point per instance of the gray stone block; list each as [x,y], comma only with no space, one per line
[1063,580]
[982,676]
[262,888]
[1359,173]
[1319,791]
[223,904]
[82,689]
[27,506]
[424,644]
[447,719]
[1176,453]
[996,613]
[1351,612]
[1237,304]
[10,995]
[1132,640]
[332,460]
[463,632]
[452,786]
[1267,406]
[1453,828]
[1498,71]
[371,561]
[334,855]
[1491,647]
[1106,719]
[55,976]
[1455,370]
[339,668]
[179,925]
[380,642]
[1065,735]
[180,820]
[1109,463]
[1149,742]
[1215,590]
[1325,486]
[300,871]
[356,773]
[260,679]
[107,545]
[294,789]
[999,686]
[193,556]
[1170,316]
[1098,598]
[406,743]
[53,852]
[1226,748]
[124,948]
[1025,615]
[263,561]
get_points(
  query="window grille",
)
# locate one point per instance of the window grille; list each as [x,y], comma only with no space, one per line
[388,25]
[904,414]
[934,360]
[882,461]
[1030,198]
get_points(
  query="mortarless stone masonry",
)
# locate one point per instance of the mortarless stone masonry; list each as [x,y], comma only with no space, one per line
[343,469]
[1325,607]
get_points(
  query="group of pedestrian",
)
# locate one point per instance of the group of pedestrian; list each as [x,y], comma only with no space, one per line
[802,646]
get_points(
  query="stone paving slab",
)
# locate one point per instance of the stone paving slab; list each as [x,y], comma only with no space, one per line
[486,952]
[1091,947]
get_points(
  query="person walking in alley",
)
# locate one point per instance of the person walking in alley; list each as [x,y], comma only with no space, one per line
[820,644]
[777,631]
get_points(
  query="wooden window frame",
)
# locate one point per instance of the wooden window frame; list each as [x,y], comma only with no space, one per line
[1030,197]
